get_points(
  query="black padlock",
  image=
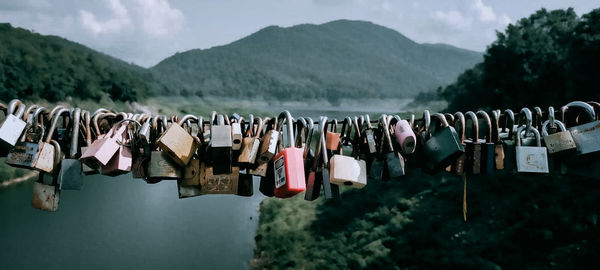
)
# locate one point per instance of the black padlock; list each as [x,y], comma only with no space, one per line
[487,148]
[443,147]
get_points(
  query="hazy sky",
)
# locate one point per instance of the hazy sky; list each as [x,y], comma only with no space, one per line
[146,31]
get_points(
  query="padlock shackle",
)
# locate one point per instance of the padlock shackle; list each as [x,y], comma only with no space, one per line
[474,125]
[96,119]
[509,116]
[488,122]
[450,119]
[28,112]
[301,128]
[249,131]
[537,118]
[531,129]
[309,135]
[495,126]
[558,123]
[427,120]
[4,108]
[460,120]
[87,125]
[596,107]
[20,111]
[187,117]
[213,118]
[551,116]
[526,114]
[75,134]
[55,119]
[54,110]
[320,147]
[290,126]
[347,127]
[587,108]
[13,106]
[386,133]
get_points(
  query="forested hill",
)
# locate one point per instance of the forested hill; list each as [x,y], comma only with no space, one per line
[50,67]
[339,58]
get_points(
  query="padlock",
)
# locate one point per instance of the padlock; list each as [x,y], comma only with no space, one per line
[531,159]
[348,170]
[267,178]
[161,165]
[46,193]
[586,136]
[251,142]
[498,146]
[87,170]
[405,137]
[268,142]
[178,143]
[458,167]
[376,164]
[332,138]
[508,141]
[69,176]
[141,153]
[473,146]
[394,161]
[561,141]
[26,152]
[122,160]
[188,191]
[236,134]
[319,176]
[45,159]
[537,118]
[213,183]
[443,146]
[101,151]
[245,184]
[288,163]
[369,136]
[488,155]
[526,119]
[192,173]
[13,126]
[220,146]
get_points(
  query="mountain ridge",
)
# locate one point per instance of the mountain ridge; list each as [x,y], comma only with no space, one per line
[333,59]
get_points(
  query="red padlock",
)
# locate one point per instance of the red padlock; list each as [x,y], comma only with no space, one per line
[289,164]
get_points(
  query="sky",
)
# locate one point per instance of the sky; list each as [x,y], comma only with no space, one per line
[146,31]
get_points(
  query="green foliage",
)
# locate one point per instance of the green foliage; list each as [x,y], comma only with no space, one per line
[548,58]
[338,59]
[34,66]
[514,222]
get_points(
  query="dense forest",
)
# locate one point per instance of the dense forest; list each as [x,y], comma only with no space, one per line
[513,221]
[336,59]
[545,59]
[33,66]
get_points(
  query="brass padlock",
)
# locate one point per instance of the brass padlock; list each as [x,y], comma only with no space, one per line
[268,142]
[220,183]
[46,193]
[251,142]
[161,165]
[26,151]
[178,143]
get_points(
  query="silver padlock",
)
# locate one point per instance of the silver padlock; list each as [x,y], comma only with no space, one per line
[69,175]
[12,127]
[531,159]
[560,141]
[586,136]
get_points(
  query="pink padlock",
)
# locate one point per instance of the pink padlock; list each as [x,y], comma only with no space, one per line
[103,149]
[120,163]
[289,164]
[405,137]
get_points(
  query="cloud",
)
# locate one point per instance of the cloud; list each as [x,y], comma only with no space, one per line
[158,18]
[120,19]
[454,18]
[485,13]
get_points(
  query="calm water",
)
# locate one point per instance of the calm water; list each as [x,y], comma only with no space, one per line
[124,223]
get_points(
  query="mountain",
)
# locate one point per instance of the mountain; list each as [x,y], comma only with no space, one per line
[335,59]
[53,68]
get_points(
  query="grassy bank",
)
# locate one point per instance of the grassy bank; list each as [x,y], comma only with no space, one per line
[514,222]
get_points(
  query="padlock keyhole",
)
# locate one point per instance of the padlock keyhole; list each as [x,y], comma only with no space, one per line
[236,141]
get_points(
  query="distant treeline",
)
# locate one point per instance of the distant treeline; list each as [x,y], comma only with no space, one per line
[548,58]
[52,68]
